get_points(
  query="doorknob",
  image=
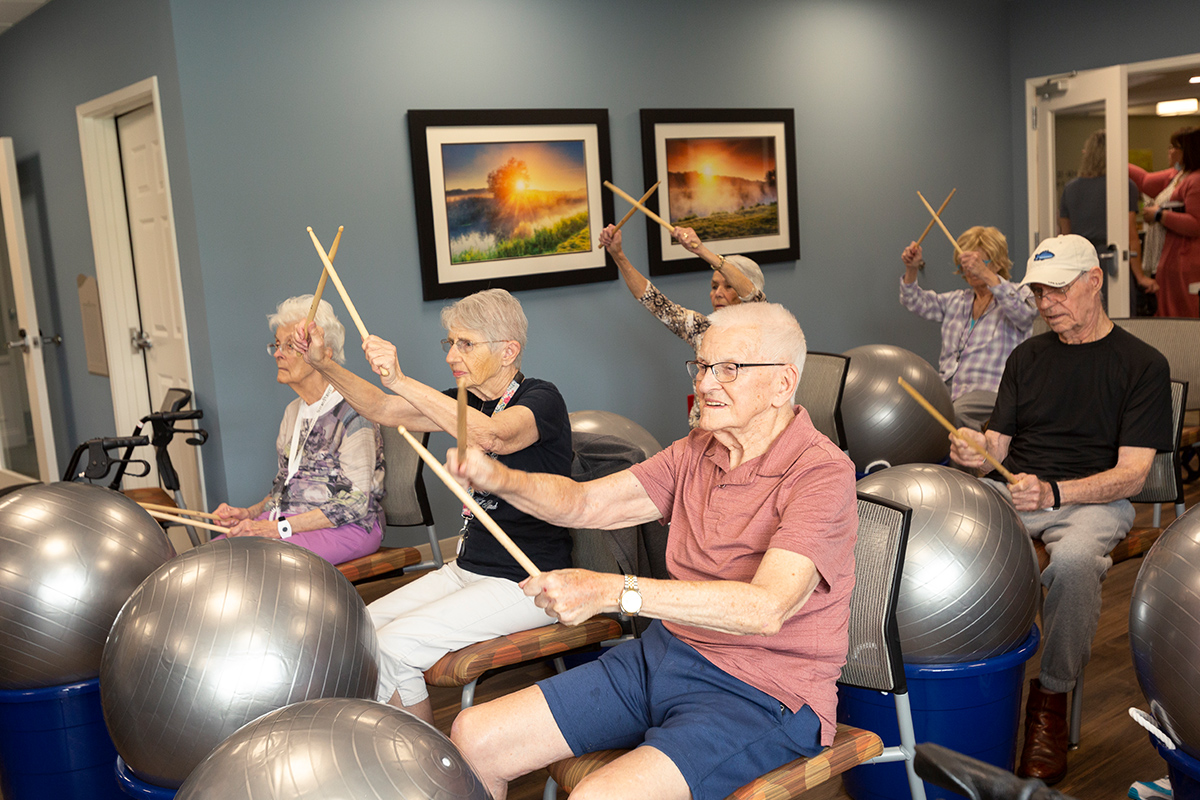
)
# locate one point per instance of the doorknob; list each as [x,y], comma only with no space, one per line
[20,344]
[140,340]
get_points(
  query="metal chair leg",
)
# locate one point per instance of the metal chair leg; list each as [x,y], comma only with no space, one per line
[1076,714]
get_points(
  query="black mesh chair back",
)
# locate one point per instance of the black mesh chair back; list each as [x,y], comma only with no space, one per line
[406,503]
[820,392]
[1164,484]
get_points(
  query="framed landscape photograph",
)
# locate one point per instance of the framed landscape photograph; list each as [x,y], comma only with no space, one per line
[510,199]
[728,173]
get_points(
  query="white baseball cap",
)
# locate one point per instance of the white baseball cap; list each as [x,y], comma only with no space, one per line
[1059,260]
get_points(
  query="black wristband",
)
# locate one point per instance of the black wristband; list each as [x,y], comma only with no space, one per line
[1057,497]
[1158,215]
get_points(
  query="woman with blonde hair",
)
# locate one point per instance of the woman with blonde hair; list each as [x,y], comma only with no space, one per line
[981,324]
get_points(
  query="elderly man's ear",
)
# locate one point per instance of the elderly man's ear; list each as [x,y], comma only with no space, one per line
[786,383]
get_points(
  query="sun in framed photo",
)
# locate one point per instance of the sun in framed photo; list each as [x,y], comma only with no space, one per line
[515,199]
[724,187]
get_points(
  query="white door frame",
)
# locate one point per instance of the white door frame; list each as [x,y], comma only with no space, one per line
[105,188]
[13,220]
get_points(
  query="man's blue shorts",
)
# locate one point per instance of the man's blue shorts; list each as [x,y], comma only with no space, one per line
[718,730]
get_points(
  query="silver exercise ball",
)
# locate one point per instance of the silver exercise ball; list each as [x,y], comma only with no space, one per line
[328,748]
[1164,630]
[221,635]
[615,425]
[971,586]
[884,425]
[70,555]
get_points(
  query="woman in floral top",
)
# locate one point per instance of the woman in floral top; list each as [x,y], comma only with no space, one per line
[735,279]
[327,494]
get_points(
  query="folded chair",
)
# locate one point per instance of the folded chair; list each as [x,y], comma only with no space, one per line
[874,662]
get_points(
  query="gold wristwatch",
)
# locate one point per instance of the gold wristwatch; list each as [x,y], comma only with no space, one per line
[630,601]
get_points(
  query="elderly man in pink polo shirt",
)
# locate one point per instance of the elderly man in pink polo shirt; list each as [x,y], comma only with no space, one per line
[737,674]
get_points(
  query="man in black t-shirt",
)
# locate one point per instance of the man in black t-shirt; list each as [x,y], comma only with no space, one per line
[1080,414]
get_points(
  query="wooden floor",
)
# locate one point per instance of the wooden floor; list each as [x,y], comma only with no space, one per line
[1113,752]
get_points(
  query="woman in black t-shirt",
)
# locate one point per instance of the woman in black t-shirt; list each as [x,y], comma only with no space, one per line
[520,421]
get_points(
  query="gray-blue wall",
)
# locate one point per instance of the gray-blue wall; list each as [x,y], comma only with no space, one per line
[293,114]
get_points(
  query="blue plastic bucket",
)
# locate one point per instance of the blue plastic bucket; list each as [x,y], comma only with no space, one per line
[973,707]
[1183,770]
[133,786]
[53,743]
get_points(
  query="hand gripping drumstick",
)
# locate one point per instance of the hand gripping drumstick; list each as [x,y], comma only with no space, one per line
[362,329]
[462,420]
[1008,476]
[631,211]
[639,206]
[929,227]
[465,496]
[312,310]
[938,220]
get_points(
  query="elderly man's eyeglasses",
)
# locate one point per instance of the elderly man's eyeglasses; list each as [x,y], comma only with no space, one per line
[1052,292]
[287,347]
[464,346]
[723,371]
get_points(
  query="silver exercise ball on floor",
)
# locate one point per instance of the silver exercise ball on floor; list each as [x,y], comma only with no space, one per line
[1164,630]
[221,635]
[70,555]
[884,425]
[615,425]
[971,586]
[320,749]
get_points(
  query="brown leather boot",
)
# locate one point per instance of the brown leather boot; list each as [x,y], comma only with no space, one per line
[1045,752]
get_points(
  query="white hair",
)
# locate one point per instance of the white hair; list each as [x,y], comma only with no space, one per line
[779,337]
[751,270]
[295,309]
[494,313]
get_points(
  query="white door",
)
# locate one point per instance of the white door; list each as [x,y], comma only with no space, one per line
[1102,95]
[26,434]
[162,336]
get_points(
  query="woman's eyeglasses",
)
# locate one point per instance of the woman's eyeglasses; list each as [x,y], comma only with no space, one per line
[287,347]
[464,346]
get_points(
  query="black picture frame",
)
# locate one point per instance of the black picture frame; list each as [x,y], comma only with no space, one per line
[450,146]
[682,198]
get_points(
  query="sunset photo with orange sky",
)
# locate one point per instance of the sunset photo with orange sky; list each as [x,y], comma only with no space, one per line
[724,188]
[515,199]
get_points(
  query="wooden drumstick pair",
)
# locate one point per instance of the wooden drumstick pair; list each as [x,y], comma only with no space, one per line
[337,282]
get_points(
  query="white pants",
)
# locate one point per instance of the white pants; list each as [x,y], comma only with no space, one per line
[444,611]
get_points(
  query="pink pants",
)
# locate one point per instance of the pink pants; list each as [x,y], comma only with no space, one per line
[336,545]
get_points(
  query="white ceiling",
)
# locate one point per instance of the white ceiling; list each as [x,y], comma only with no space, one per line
[13,11]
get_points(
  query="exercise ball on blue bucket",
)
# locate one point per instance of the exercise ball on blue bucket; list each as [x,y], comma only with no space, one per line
[968,597]
[220,636]
[1164,635]
[884,425]
[72,553]
[334,747]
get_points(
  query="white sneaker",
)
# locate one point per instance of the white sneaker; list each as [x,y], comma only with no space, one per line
[1156,790]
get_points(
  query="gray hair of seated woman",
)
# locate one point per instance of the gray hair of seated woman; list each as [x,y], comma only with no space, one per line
[750,269]
[493,313]
[780,339]
[295,309]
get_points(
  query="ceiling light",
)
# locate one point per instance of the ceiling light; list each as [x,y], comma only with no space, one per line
[1194,79]
[1174,108]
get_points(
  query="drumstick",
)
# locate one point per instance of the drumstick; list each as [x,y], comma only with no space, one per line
[631,211]
[941,208]
[176,510]
[465,496]
[462,419]
[362,329]
[640,207]
[1008,476]
[938,220]
[191,522]
[312,310]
